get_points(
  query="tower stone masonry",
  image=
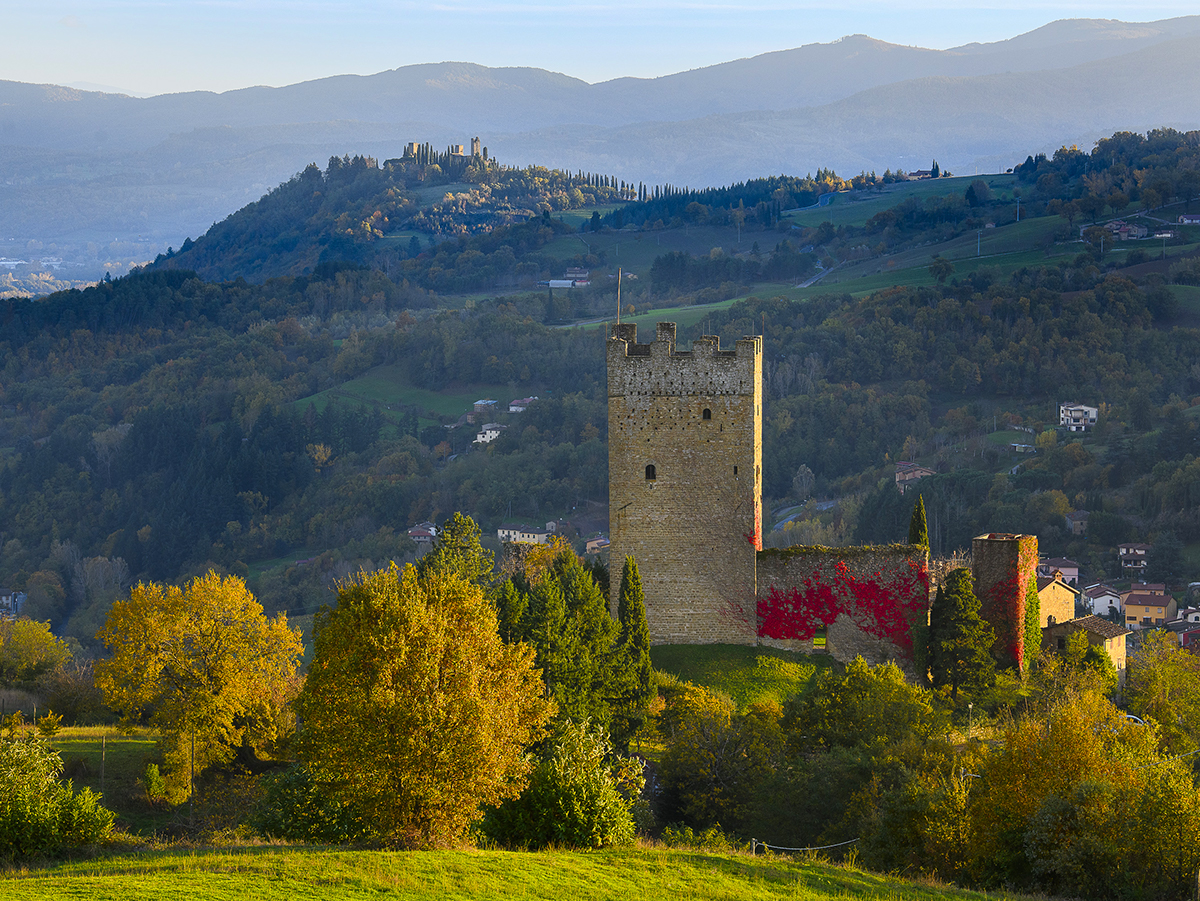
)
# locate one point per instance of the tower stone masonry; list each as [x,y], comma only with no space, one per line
[1005,569]
[685,480]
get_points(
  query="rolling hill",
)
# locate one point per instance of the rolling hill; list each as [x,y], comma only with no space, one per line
[92,167]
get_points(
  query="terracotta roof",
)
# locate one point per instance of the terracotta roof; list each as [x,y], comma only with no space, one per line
[1046,581]
[1145,599]
[1101,627]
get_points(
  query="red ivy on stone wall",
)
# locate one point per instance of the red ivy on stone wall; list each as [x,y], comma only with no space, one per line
[1007,597]
[884,606]
[755,538]
[1005,604]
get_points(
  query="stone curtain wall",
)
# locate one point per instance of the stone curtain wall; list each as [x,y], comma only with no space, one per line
[695,525]
[872,601]
[1005,570]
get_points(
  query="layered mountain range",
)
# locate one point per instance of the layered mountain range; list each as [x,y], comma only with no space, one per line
[91,166]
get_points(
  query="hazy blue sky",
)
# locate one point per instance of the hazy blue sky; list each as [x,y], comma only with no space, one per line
[157,46]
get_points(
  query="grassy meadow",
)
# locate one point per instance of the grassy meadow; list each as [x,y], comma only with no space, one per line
[747,674]
[387,389]
[856,207]
[112,764]
[272,872]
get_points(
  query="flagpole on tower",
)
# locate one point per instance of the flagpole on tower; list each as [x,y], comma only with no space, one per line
[618,295]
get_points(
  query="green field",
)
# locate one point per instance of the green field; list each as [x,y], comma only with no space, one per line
[1188,297]
[746,674]
[288,873]
[856,207]
[386,388]
[635,251]
[576,218]
[111,763]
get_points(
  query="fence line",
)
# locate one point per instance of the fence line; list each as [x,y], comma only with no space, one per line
[755,844]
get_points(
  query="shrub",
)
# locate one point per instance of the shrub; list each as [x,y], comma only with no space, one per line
[38,814]
[578,795]
[296,807]
[1185,272]
[712,839]
[72,691]
[716,758]
[152,782]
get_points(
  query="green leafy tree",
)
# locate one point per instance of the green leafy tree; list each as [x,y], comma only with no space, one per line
[40,815]
[1078,666]
[865,706]
[1166,560]
[207,668]
[978,193]
[960,641]
[46,599]
[1081,801]
[1163,684]
[296,807]
[941,269]
[635,645]
[916,802]
[918,528]
[28,650]
[414,713]
[716,758]
[579,795]
[458,550]
[565,617]
[1074,841]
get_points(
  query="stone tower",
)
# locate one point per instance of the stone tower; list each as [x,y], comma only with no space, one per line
[1005,570]
[685,481]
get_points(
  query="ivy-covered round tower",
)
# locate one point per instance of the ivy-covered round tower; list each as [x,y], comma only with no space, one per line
[1005,570]
[685,480]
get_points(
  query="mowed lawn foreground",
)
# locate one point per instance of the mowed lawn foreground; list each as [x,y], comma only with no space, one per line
[273,872]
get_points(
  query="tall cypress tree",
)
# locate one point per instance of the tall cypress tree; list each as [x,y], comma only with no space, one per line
[960,641]
[918,529]
[635,641]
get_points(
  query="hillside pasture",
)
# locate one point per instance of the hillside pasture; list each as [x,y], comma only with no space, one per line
[112,763]
[747,674]
[576,218]
[635,251]
[268,872]
[387,389]
[856,207]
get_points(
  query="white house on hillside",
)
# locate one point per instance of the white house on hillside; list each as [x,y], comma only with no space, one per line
[1077,417]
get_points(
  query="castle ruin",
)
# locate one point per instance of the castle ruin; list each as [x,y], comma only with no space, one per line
[685,480]
[685,501]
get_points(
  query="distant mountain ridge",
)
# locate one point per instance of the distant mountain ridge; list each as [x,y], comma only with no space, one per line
[88,166]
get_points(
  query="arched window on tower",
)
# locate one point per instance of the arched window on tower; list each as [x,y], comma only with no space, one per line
[650,476]
[707,414]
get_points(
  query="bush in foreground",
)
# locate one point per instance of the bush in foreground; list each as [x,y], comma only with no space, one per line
[38,814]
[578,796]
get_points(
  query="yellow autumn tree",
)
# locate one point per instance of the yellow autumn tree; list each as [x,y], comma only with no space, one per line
[541,557]
[415,714]
[210,671]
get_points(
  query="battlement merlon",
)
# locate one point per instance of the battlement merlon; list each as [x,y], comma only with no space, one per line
[659,368]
